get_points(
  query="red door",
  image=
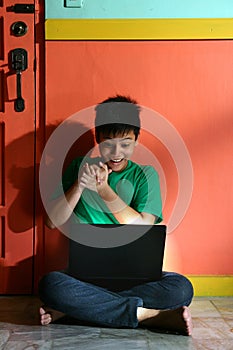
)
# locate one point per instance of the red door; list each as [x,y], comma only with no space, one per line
[17,140]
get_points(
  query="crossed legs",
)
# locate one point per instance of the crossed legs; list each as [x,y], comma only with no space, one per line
[162,304]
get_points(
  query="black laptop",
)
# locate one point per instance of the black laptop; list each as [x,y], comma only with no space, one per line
[117,265]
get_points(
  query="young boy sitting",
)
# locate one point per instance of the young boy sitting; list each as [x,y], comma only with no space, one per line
[107,190]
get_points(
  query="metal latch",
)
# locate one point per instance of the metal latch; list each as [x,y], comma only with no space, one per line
[23,8]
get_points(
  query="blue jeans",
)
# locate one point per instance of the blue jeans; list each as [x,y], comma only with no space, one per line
[90,303]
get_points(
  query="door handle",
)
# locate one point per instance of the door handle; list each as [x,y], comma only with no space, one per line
[23,8]
[19,63]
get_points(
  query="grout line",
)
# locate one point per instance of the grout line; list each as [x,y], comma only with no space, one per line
[216,308]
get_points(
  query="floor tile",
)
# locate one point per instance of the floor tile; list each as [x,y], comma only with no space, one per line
[29,345]
[100,344]
[122,333]
[211,328]
[53,331]
[20,330]
[203,308]
[170,342]
[229,321]
[4,336]
[223,305]
[223,344]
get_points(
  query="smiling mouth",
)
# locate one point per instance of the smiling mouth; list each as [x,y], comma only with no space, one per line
[116,161]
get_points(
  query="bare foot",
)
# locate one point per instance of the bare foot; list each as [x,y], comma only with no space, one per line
[48,315]
[178,320]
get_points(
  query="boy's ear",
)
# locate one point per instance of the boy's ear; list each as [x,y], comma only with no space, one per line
[97,138]
[136,142]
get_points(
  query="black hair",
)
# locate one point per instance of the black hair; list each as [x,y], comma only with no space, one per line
[117,115]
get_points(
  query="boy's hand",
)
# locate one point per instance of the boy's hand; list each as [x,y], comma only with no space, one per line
[87,178]
[102,172]
[94,177]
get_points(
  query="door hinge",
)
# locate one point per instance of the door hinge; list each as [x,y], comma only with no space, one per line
[23,8]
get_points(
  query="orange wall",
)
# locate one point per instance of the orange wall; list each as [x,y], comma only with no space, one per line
[190,84]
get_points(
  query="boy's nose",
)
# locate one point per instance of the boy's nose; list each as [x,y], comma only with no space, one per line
[115,151]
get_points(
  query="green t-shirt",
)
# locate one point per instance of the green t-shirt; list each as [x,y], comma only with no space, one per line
[137,185]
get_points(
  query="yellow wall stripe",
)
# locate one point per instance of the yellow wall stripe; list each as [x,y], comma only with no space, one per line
[212,285]
[139,29]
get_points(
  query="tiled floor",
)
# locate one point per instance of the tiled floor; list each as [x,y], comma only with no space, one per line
[20,329]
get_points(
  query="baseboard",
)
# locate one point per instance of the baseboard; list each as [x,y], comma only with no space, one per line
[213,285]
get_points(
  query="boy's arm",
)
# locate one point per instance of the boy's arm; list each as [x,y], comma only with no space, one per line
[62,208]
[121,211]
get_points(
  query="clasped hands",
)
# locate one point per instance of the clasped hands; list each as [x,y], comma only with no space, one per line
[94,177]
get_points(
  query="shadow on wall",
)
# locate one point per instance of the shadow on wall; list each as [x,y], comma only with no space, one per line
[22,178]
[23,211]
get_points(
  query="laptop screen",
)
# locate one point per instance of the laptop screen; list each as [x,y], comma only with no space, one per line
[136,259]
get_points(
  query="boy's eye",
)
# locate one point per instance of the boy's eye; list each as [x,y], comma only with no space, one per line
[107,144]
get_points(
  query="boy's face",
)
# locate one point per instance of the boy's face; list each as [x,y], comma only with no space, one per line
[116,150]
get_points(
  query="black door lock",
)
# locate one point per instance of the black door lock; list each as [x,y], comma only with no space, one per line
[19,28]
[19,63]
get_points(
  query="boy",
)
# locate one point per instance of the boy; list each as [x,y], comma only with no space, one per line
[113,189]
